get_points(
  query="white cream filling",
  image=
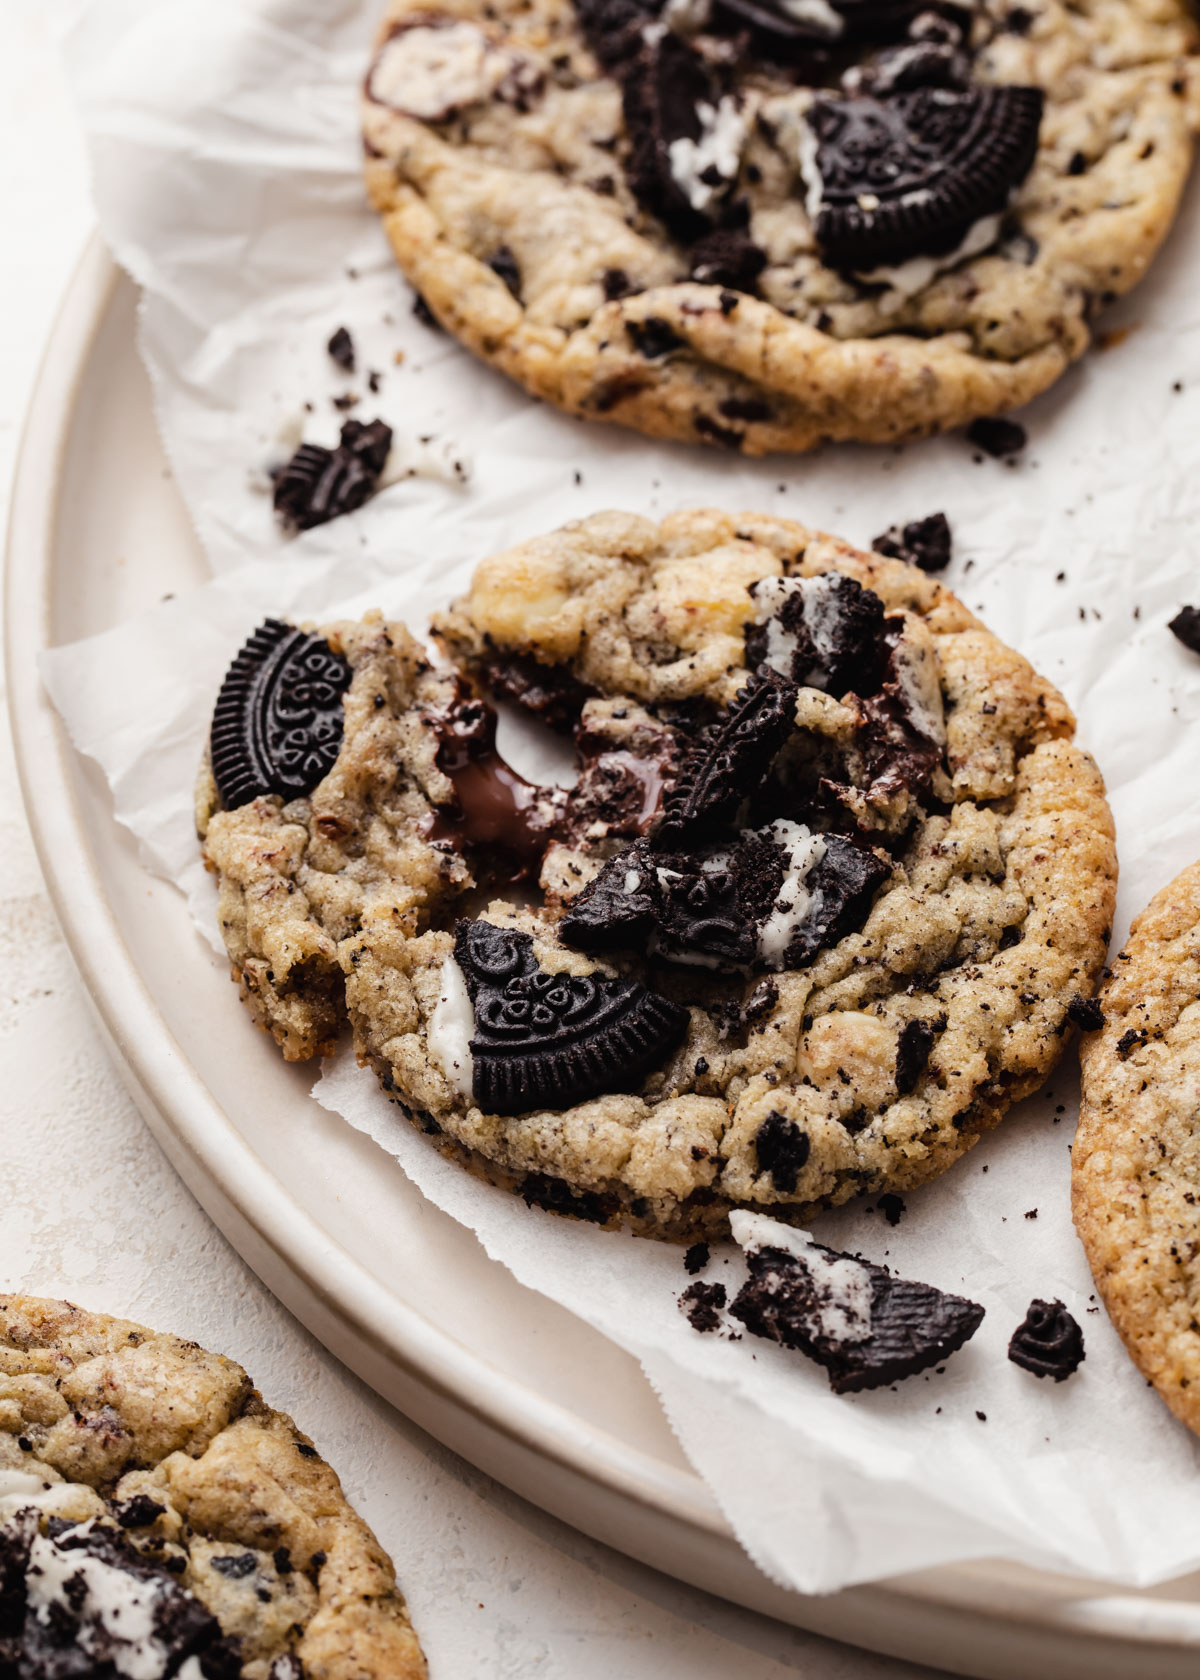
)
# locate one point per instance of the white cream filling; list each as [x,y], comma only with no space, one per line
[818,14]
[719,148]
[429,72]
[803,851]
[920,689]
[122,1606]
[19,1488]
[687,17]
[844,1315]
[913,276]
[820,611]
[633,880]
[450,1029]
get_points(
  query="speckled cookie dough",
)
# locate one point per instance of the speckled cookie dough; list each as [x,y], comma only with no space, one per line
[810,921]
[1135,1176]
[156,1514]
[627,208]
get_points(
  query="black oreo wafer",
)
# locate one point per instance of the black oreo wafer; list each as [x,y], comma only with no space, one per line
[552,1040]
[909,174]
[732,762]
[277,724]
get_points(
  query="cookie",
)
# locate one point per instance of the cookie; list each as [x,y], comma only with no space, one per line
[158,1518]
[866,1326]
[762,225]
[831,878]
[1134,1179]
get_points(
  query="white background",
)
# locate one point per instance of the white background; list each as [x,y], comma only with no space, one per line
[89,1209]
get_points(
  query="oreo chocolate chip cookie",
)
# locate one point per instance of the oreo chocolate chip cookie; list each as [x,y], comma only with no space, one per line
[814,913]
[158,1519]
[867,1327]
[880,193]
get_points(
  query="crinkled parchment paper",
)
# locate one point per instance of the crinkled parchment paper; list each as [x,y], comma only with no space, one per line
[225,151]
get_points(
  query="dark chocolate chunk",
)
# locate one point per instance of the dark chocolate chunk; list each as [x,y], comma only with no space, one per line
[912,1053]
[998,438]
[831,629]
[865,1326]
[702,1304]
[1086,1013]
[320,484]
[731,762]
[783,1149]
[653,337]
[1048,1342]
[277,724]
[552,1040]
[696,1258]
[662,90]
[1185,626]
[922,542]
[910,173]
[504,264]
[727,257]
[341,350]
[619,791]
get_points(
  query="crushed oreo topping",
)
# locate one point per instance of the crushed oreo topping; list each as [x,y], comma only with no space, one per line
[912,1051]
[277,724]
[670,96]
[783,1149]
[926,543]
[1185,627]
[867,1327]
[821,632]
[909,173]
[1001,439]
[653,337]
[78,1601]
[552,1040]
[320,484]
[1086,1013]
[1047,1342]
[549,692]
[702,1304]
[727,257]
[341,350]
[696,1258]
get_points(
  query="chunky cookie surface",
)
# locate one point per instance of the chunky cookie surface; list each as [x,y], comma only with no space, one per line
[809,921]
[157,1518]
[762,224]
[1134,1166]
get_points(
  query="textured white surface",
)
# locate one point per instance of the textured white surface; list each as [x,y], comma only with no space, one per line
[91,1210]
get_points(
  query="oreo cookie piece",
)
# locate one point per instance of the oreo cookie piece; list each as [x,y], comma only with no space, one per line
[277,724]
[727,257]
[685,134]
[821,632]
[552,1040]
[88,1604]
[731,761]
[1047,1342]
[782,1147]
[902,727]
[867,1327]
[926,543]
[909,173]
[613,28]
[840,887]
[320,484]
[1185,627]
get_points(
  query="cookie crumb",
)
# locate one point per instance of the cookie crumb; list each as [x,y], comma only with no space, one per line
[1001,439]
[696,1258]
[341,350]
[702,1305]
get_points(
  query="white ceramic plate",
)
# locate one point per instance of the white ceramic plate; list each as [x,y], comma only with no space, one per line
[393,1287]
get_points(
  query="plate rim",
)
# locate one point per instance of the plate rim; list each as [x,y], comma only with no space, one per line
[209,1153]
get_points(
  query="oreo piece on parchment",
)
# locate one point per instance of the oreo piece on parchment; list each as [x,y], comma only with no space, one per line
[730,763]
[319,484]
[909,174]
[867,1327]
[553,1040]
[1048,1341]
[926,543]
[821,632]
[277,724]
[78,1601]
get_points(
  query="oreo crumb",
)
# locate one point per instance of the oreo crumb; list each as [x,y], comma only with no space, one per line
[1185,627]
[783,1149]
[1000,439]
[702,1305]
[138,1512]
[236,1568]
[504,265]
[912,1053]
[892,1207]
[320,484]
[424,314]
[926,543]
[982,1416]
[1032,1213]
[341,350]
[1131,1040]
[1086,1013]
[696,1258]
[1048,1341]
[653,337]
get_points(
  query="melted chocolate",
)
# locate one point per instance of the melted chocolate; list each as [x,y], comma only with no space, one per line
[495,807]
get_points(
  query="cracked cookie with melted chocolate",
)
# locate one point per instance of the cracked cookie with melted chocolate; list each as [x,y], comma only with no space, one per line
[158,1519]
[815,912]
[763,224]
